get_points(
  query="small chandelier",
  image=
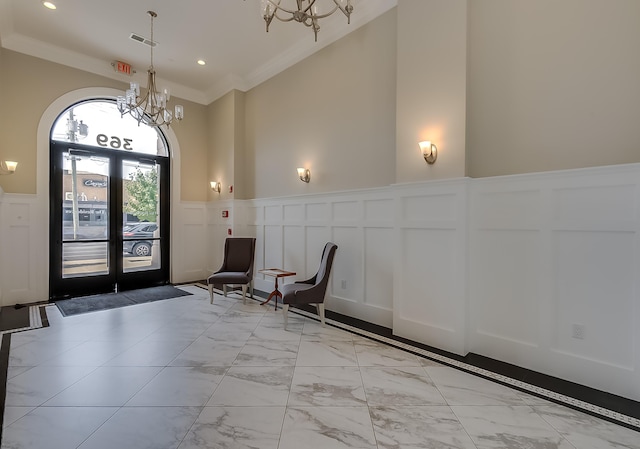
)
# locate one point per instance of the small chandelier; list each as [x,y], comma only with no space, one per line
[306,12]
[151,108]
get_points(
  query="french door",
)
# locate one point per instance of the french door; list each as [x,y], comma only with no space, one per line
[109,220]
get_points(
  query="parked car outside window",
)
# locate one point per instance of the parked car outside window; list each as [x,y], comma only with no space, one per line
[138,231]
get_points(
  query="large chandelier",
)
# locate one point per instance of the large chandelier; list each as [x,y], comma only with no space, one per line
[151,108]
[306,13]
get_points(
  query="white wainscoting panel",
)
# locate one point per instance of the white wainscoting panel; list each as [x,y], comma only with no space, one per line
[293,250]
[189,239]
[295,230]
[538,270]
[378,274]
[430,277]
[24,262]
[554,263]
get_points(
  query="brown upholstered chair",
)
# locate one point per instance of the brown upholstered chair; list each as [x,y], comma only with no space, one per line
[237,267]
[311,291]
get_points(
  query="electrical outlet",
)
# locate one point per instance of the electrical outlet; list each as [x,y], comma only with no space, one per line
[577,331]
[343,284]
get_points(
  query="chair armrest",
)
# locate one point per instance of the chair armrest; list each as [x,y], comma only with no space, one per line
[310,281]
[311,295]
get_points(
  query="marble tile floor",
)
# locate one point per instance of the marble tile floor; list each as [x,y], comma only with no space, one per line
[183,373]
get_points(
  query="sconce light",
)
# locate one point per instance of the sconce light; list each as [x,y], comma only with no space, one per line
[429,151]
[215,186]
[304,174]
[8,167]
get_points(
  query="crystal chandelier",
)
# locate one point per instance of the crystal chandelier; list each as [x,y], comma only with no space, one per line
[306,13]
[151,108]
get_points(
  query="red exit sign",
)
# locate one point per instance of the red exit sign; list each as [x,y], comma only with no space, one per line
[122,67]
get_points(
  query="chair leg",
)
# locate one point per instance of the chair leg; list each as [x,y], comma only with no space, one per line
[224,289]
[320,307]
[285,311]
[251,288]
[244,293]
[211,292]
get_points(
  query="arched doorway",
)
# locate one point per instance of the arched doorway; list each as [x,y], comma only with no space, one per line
[109,202]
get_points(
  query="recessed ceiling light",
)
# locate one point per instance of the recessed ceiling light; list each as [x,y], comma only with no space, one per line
[202,61]
[49,5]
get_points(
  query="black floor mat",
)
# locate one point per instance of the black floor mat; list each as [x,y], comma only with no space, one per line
[94,303]
[14,317]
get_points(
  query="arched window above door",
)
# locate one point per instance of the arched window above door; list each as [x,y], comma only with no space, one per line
[98,123]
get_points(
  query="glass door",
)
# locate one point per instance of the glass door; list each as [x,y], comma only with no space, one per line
[143,238]
[109,210]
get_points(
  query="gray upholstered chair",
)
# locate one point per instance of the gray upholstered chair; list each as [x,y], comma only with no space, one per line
[311,291]
[237,267]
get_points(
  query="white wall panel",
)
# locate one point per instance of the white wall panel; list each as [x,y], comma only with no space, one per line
[554,286]
[429,266]
[318,212]
[24,262]
[379,211]
[273,246]
[594,288]
[430,274]
[578,204]
[346,211]
[293,212]
[519,209]
[297,241]
[190,237]
[502,276]
[346,281]
[273,213]
[378,260]
[429,208]
[294,254]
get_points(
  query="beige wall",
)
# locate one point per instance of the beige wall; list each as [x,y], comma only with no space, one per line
[333,113]
[221,140]
[546,85]
[29,85]
[431,90]
[552,85]
[192,135]
[240,157]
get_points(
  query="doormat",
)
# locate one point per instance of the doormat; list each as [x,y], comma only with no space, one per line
[95,303]
[20,318]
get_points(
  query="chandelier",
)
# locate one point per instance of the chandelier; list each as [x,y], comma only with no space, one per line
[306,13]
[151,108]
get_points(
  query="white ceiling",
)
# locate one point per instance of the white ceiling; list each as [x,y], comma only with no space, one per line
[228,34]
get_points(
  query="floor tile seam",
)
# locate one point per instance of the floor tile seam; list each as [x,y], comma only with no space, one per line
[563,434]
[589,408]
[457,417]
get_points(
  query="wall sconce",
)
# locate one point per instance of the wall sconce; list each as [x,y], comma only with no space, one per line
[304,174]
[215,186]
[429,151]
[8,167]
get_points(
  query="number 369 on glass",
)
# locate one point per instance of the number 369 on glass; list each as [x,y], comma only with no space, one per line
[114,142]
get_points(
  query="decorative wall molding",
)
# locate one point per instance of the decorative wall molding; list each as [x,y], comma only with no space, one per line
[430,263]
[24,262]
[554,261]
[538,270]
[291,233]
